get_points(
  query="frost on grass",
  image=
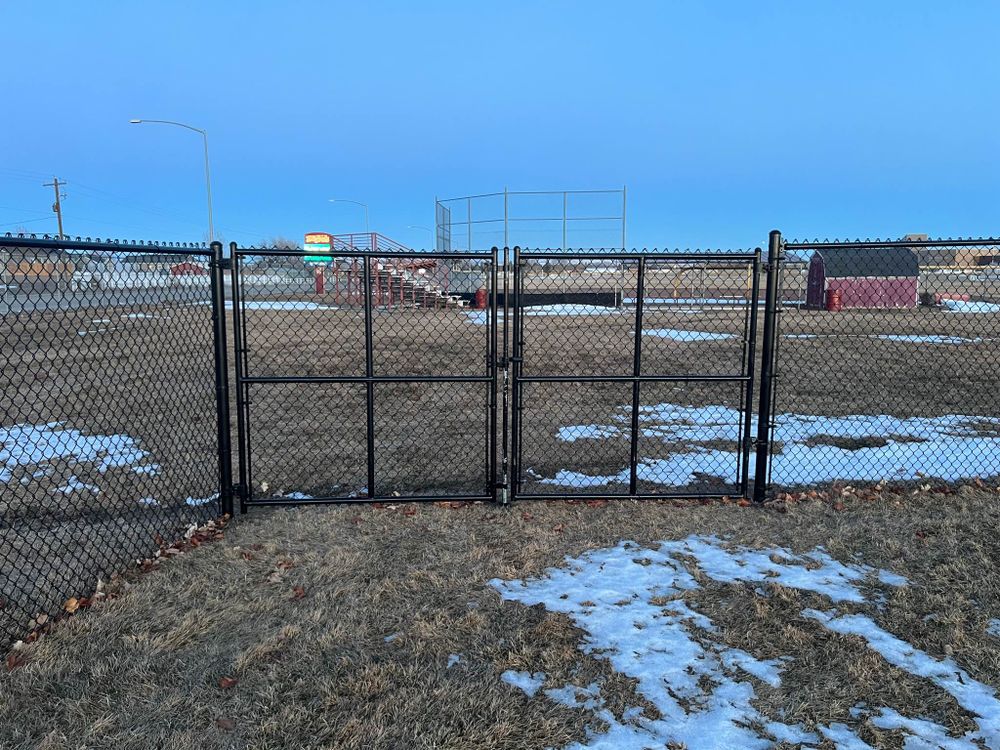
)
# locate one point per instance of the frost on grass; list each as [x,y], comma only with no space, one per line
[628,601]
[816,449]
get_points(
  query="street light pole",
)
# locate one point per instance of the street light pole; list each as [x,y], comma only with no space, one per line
[356,203]
[208,174]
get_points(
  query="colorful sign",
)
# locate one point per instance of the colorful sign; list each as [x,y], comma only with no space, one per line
[318,242]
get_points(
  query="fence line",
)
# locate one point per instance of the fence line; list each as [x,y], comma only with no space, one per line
[109,418]
[467,375]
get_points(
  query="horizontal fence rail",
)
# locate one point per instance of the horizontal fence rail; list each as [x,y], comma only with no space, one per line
[112,423]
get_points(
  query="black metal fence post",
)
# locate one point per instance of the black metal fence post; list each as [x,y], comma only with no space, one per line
[239,361]
[749,365]
[765,418]
[221,380]
[633,458]
[369,372]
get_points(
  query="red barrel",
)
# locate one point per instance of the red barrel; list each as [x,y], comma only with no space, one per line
[833,301]
[480,302]
[320,279]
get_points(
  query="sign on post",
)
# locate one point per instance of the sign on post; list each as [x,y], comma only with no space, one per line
[318,242]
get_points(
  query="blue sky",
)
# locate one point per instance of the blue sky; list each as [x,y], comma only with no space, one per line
[724,119]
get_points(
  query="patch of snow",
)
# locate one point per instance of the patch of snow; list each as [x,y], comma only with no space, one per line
[587,432]
[575,696]
[695,685]
[297,496]
[928,339]
[149,502]
[923,734]
[959,306]
[28,444]
[482,317]
[73,484]
[843,738]
[675,334]
[701,301]
[278,305]
[975,697]
[453,659]
[96,330]
[993,628]
[195,502]
[152,470]
[391,637]
[527,682]
[948,447]
[892,579]
[700,686]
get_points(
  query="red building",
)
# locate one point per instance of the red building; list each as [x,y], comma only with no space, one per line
[865,277]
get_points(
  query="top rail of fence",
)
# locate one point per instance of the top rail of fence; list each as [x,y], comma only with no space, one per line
[51,242]
[656,254]
[867,244]
[338,253]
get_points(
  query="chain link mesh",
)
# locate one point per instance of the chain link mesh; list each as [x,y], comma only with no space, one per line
[887,360]
[107,396]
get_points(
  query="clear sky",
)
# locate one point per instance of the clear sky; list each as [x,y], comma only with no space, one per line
[724,119]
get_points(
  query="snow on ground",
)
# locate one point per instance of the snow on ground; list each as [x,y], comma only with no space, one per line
[529,682]
[73,484]
[195,502]
[901,338]
[949,447]
[628,601]
[928,339]
[675,334]
[481,317]
[959,306]
[23,445]
[700,301]
[278,305]
[993,628]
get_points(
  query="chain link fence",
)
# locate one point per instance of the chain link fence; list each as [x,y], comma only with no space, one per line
[887,356]
[108,413]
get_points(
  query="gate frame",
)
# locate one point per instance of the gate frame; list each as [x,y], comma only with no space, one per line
[243,489]
[746,377]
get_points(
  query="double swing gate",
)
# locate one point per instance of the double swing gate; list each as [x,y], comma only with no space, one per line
[396,376]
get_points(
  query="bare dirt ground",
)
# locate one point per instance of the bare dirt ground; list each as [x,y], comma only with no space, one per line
[372,627]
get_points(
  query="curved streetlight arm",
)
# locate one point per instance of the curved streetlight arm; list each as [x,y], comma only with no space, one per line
[208,174]
[356,203]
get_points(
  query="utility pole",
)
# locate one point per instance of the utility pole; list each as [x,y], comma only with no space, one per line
[57,206]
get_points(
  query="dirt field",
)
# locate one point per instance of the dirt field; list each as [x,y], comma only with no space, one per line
[357,627]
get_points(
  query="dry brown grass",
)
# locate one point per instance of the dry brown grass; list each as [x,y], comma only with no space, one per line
[317,671]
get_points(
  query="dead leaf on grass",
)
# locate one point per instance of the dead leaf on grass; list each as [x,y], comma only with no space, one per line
[226,724]
[298,592]
[228,682]
[72,605]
